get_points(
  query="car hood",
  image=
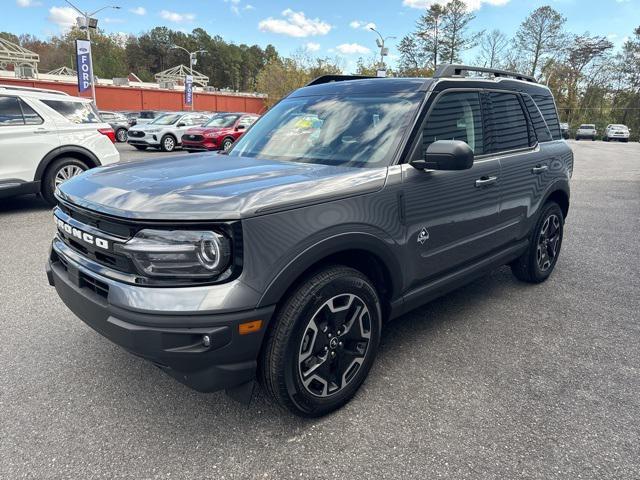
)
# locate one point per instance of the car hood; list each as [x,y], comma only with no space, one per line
[213,187]
[148,126]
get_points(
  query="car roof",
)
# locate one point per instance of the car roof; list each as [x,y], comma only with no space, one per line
[364,86]
[38,93]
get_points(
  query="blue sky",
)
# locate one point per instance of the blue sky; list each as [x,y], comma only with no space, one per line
[326,28]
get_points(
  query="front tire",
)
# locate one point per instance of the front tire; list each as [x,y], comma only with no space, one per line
[121,135]
[536,264]
[168,143]
[227,143]
[323,342]
[59,172]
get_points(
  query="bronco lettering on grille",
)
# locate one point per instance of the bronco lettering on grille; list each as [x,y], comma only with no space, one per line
[82,236]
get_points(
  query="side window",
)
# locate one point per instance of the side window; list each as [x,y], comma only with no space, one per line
[508,122]
[548,109]
[10,112]
[455,116]
[76,112]
[30,115]
[246,121]
[539,125]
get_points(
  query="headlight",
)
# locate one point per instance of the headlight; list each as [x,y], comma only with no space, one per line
[179,253]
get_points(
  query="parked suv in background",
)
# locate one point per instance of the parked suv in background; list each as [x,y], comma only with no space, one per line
[147,116]
[616,132]
[164,132]
[218,133]
[587,130]
[47,137]
[351,202]
[118,122]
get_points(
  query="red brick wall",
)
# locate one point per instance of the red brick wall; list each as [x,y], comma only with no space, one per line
[131,98]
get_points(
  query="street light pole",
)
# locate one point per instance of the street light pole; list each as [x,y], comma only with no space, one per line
[383,51]
[87,16]
[192,58]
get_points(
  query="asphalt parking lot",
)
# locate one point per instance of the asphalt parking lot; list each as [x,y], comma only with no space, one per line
[497,380]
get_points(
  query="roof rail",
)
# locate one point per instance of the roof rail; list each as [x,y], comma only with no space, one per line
[447,70]
[32,89]
[336,78]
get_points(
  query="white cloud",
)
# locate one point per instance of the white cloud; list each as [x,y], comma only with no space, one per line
[177,17]
[471,4]
[113,20]
[295,24]
[28,3]
[63,17]
[139,11]
[351,48]
[312,46]
[235,6]
[359,24]
[249,7]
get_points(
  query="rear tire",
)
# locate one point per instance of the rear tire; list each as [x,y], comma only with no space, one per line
[58,172]
[536,264]
[322,343]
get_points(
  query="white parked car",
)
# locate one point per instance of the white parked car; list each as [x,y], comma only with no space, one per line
[616,132]
[47,137]
[165,132]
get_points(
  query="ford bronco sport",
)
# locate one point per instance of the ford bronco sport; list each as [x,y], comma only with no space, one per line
[351,202]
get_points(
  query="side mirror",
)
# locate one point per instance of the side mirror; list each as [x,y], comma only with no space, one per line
[181,124]
[446,155]
[241,127]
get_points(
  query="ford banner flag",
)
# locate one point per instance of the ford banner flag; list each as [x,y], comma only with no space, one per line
[83,59]
[188,90]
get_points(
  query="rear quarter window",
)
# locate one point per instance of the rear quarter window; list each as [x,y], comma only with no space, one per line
[76,112]
[539,125]
[548,109]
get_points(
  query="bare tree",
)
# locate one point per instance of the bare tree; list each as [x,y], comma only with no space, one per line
[493,46]
[539,36]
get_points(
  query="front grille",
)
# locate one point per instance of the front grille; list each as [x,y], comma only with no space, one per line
[136,133]
[114,232]
[193,138]
[94,285]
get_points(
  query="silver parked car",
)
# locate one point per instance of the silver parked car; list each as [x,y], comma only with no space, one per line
[616,131]
[586,130]
[118,122]
[165,132]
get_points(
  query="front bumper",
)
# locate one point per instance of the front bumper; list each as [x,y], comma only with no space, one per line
[203,146]
[174,342]
[147,140]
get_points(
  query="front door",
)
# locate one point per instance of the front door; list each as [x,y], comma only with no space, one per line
[452,217]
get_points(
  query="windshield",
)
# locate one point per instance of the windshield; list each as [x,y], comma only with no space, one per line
[222,121]
[587,127]
[354,131]
[622,127]
[165,120]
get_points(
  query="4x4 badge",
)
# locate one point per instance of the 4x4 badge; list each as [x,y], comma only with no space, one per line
[423,236]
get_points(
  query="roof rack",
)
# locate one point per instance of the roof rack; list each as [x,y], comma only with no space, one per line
[336,78]
[32,89]
[447,70]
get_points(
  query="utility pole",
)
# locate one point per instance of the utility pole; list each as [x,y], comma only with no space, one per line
[87,21]
[384,51]
[192,61]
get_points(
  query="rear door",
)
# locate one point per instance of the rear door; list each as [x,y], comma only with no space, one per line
[451,216]
[25,138]
[525,164]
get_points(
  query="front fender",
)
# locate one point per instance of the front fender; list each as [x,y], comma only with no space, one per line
[331,245]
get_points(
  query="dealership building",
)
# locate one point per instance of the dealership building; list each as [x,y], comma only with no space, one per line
[19,66]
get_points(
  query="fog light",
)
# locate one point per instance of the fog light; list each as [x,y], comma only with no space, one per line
[206,340]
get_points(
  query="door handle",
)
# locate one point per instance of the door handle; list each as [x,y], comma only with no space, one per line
[538,169]
[41,131]
[486,181]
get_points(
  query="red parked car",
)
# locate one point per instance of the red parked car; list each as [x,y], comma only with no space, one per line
[219,133]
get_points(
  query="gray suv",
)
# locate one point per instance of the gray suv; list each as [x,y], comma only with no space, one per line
[351,202]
